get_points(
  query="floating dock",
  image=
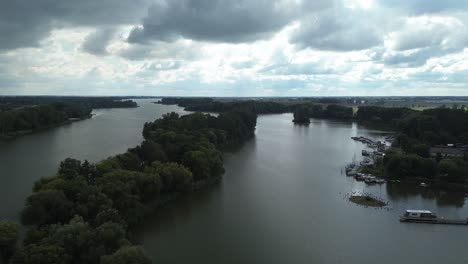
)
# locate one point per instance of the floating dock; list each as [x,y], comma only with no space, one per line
[441,221]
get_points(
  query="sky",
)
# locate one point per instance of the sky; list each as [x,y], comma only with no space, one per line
[234,47]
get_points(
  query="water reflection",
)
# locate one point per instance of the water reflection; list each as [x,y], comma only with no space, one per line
[403,191]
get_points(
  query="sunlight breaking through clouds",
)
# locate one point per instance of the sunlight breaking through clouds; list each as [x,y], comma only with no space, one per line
[229,48]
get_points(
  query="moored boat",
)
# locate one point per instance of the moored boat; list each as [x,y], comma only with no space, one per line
[419,216]
[428,217]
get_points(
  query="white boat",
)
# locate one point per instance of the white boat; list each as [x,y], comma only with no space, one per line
[370,179]
[379,181]
[351,172]
[420,216]
[428,217]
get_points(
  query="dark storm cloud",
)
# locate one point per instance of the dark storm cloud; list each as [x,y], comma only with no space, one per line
[217,20]
[23,23]
[415,59]
[96,43]
[450,34]
[161,50]
[136,52]
[337,31]
[423,39]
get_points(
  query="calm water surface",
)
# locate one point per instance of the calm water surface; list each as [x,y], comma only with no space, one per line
[282,199]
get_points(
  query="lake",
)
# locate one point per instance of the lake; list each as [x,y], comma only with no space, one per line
[282,199]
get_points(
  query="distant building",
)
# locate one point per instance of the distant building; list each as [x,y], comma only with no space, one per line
[447,151]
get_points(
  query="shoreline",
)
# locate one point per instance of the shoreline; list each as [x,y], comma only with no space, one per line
[18,134]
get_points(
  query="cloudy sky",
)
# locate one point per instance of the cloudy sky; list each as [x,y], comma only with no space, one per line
[234,47]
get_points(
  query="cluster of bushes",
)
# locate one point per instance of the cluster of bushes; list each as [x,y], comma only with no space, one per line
[85,212]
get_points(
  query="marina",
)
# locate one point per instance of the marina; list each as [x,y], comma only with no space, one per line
[356,170]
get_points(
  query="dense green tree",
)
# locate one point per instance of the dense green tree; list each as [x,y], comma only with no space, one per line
[338,112]
[41,254]
[110,215]
[301,115]
[46,207]
[107,238]
[107,165]
[70,168]
[150,151]
[127,255]
[9,233]
[422,150]
[401,166]
[174,176]
[455,170]
[129,161]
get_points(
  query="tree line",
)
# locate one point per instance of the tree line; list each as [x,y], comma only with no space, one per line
[210,105]
[14,102]
[25,119]
[84,214]
[302,113]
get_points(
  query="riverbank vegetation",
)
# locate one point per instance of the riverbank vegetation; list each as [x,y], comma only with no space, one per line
[430,144]
[85,213]
[17,102]
[17,119]
[210,105]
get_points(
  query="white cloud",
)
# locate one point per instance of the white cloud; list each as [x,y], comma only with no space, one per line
[341,47]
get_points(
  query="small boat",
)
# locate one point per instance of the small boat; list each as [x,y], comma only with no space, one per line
[367,162]
[423,184]
[350,167]
[419,216]
[428,217]
[370,180]
[352,172]
[379,181]
[359,177]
